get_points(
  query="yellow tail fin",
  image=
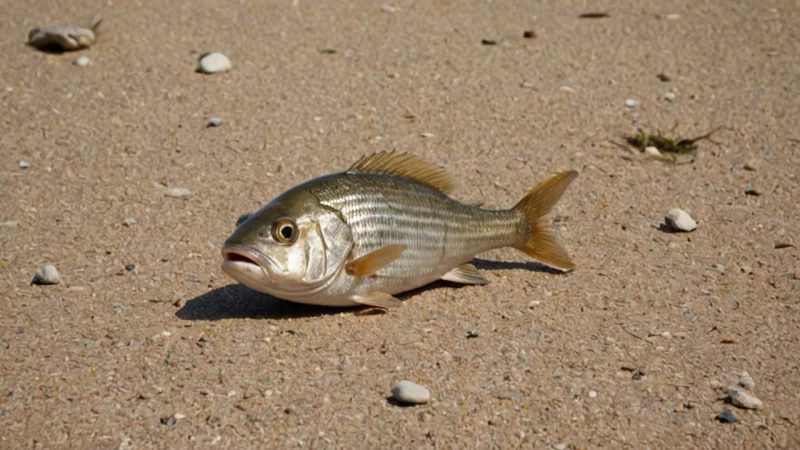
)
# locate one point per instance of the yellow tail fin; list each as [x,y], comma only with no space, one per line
[541,245]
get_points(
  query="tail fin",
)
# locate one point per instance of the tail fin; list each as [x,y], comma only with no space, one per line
[540,243]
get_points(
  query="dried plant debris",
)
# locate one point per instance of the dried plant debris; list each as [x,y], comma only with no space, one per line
[669,149]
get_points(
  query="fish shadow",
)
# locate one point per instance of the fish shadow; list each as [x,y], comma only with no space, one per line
[533,266]
[236,301]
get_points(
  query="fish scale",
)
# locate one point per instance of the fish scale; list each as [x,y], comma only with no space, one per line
[439,232]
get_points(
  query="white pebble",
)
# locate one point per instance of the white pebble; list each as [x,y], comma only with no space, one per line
[214,122]
[129,221]
[670,96]
[631,103]
[666,335]
[746,381]
[652,151]
[24,164]
[592,394]
[561,446]
[178,192]
[409,392]
[744,400]
[673,16]
[213,62]
[679,220]
[179,416]
[47,275]
[82,61]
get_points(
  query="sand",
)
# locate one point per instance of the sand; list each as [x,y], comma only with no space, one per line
[633,349]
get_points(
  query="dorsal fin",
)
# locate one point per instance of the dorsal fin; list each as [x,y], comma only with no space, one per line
[407,166]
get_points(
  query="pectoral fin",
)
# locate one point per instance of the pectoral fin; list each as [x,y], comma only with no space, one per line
[372,262]
[378,300]
[465,273]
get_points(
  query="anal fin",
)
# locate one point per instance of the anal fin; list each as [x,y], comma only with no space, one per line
[372,262]
[378,300]
[465,273]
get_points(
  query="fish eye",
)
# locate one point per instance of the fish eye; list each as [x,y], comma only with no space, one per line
[284,231]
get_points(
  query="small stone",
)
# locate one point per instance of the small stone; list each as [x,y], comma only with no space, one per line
[473,334]
[750,190]
[81,61]
[213,62]
[670,96]
[666,335]
[663,77]
[529,34]
[409,392]
[673,16]
[718,268]
[130,267]
[47,275]
[214,122]
[797,275]
[128,221]
[744,400]
[727,417]
[746,381]
[510,395]
[679,220]
[561,446]
[652,151]
[178,192]
[592,394]
[61,38]
[631,103]
[750,167]
[24,164]
[179,416]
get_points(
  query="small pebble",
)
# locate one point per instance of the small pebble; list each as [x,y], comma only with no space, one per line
[47,275]
[797,275]
[746,381]
[130,267]
[473,334]
[719,268]
[213,62]
[178,192]
[744,400]
[409,392]
[561,446]
[727,417]
[652,151]
[129,221]
[666,335]
[214,122]
[81,61]
[679,220]
[592,394]
[529,34]
[670,96]
[663,77]
[750,190]
[631,103]
[673,16]
[24,164]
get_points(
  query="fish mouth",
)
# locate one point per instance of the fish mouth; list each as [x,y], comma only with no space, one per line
[247,266]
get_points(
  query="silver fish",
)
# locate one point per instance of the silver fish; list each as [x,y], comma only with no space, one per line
[384,226]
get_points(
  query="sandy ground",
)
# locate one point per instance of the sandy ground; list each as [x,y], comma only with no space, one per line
[175,355]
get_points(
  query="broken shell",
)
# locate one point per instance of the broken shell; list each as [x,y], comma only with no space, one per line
[65,38]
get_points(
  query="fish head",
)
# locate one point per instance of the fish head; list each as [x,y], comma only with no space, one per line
[291,247]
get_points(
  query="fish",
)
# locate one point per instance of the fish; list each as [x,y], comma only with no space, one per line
[384,226]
